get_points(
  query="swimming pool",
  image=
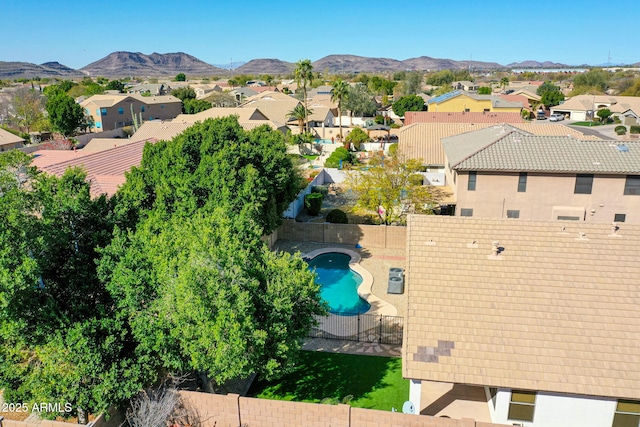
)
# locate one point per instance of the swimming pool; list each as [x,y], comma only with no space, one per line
[339,284]
[323,141]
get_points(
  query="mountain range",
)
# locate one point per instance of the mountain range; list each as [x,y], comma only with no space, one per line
[122,64]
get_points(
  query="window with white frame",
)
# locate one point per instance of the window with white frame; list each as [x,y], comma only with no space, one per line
[522,405]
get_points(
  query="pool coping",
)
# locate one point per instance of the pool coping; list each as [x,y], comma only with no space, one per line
[378,305]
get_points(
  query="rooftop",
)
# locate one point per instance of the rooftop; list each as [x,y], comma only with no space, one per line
[555,310]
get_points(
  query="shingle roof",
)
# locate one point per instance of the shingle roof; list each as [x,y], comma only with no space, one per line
[504,149]
[106,101]
[423,140]
[552,312]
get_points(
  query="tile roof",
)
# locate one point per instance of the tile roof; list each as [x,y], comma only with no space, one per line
[7,137]
[101,144]
[502,148]
[411,117]
[552,312]
[105,169]
[106,101]
[618,104]
[423,140]
[44,158]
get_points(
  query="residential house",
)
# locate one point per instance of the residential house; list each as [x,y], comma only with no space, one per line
[523,323]
[505,172]
[203,90]
[458,101]
[9,141]
[149,89]
[274,105]
[411,117]
[585,107]
[115,111]
[465,85]
[241,94]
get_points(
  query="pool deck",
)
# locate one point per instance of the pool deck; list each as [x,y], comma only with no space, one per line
[376,261]
[378,305]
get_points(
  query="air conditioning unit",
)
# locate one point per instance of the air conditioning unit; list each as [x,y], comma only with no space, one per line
[396,285]
[396,272]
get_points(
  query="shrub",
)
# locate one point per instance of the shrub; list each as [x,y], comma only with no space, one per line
[393,149]
[357,137]
[416,179]
[337,216]
[621,130]
[634,129]
[333,161]
[322,189]
[313,203]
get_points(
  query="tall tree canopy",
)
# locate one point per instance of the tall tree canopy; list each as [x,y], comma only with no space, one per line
[359,101]
[65,115]
[408,103]
[303,74]
[339,93]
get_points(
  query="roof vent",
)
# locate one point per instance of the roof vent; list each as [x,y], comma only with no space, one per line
[614,229]
[582,236]
[623,148]
[495,248]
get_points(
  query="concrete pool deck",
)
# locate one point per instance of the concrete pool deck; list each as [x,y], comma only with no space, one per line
[378,305]
[376,261]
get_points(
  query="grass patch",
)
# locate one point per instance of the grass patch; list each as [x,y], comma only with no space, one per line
[374,382]
[590,124]
[310,157]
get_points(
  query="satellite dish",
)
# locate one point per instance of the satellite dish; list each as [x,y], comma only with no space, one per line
[408,407]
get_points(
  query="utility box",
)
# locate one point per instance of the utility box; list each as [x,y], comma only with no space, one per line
[396,285]
[396,272]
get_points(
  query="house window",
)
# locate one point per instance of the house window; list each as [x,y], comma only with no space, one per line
[471,184]
[619,217]
[104,111]
[162,106]
[513,214]
[522,405]
[568,218]
[487,110]
[584,182]
[98,125]
[86,110]
[142,108]
[632,186]
[120,110]
[466,212]
[522,182]
[467,110]
[627,414]
[98,112]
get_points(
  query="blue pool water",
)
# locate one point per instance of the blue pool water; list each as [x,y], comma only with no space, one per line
[339,284]
[323,141]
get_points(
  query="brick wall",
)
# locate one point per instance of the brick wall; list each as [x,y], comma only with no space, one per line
[373,236]
[233,411]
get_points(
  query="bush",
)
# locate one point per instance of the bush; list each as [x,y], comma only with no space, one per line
[621,130]
[313,203]
[333,161]
[416,179]
[393,149]
[634,129]
[337,216]
[322,189]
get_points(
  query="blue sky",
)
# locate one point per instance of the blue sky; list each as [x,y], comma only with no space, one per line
[76,33]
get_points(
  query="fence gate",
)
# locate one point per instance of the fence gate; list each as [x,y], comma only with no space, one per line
[360,327]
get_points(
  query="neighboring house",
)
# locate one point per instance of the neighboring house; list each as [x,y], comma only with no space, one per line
[525,323]
[411,117]
[585,107]
[241,94]
[458,101]
[320,117]
[274,105]
[519,98]
[153,89]
[9,141]
[504,172]
[465,85]
[202,91]
[114,111]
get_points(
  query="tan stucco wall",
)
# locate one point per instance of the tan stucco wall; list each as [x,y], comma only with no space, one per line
[497,193]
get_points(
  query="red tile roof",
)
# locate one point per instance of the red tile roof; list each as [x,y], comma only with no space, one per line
[411,117]
[105,169]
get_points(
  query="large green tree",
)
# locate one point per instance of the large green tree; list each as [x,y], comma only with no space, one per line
[27,108]
[408,103]
[339,93]
[59,340]
[303,74]
[65,115]
[359,102]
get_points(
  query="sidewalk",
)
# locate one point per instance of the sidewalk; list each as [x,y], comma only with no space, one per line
[352,347]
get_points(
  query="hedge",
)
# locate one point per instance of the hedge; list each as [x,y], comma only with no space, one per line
[337,216]
[313,203]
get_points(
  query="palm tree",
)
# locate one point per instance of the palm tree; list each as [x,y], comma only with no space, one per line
[299,113]
[303,74]
[504,82]
[339,92]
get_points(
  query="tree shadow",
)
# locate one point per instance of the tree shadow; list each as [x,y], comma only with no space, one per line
[319,376]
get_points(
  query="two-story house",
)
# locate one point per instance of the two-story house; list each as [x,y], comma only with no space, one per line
[524,323]
[458,101]
[504,172]
[115,111]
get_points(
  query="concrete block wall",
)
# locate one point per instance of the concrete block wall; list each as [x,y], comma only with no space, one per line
[276,413]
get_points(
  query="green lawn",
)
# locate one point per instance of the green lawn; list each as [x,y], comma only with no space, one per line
[374,382]
[587,124]
[310,157]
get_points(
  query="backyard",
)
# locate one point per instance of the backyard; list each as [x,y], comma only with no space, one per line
[370,382]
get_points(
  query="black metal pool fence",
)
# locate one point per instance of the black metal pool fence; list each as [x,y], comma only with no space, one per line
[373,328]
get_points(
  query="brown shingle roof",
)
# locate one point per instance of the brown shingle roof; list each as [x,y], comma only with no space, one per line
[552,312]
[7,138]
